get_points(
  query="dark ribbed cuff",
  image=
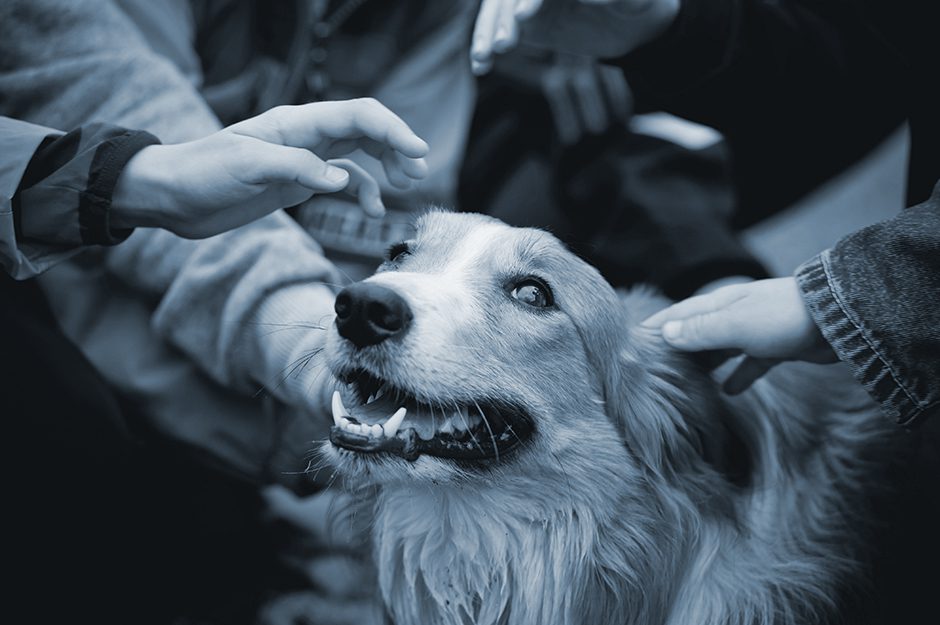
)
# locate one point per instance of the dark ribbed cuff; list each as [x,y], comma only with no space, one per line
[849,342]
[95,201]
[698,44]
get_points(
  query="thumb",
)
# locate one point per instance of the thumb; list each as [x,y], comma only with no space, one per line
[746,373]
[712,330]
[284,164]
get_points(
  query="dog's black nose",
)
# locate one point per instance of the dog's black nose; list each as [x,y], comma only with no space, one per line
[368,313]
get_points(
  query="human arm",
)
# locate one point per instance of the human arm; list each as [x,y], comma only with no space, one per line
[93,185]
[91,63]
[274,160]
[871,301]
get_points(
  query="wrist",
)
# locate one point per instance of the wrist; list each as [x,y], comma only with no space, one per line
[137,200]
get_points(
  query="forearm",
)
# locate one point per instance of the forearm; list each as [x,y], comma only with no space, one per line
[248,304]
[874,297]
[92,64]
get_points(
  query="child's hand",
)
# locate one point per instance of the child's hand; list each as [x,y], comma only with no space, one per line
[277,159]
[766,320]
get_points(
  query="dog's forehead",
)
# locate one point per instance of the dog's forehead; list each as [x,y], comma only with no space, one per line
[465,238]
[466,243]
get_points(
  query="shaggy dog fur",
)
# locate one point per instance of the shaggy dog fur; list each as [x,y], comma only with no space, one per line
[643,495]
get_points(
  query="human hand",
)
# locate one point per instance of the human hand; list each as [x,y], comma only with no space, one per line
[331,553]
[584,97]
[277,159]
[598,28]
[766,320]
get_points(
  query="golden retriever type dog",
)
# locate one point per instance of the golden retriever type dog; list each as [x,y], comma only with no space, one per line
[528,454]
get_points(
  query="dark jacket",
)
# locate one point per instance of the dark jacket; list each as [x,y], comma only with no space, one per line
[801,89]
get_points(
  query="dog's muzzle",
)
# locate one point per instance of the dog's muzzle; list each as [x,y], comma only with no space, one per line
[367,314]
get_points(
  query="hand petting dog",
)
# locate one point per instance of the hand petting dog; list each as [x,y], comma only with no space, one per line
[277,159]
[766,320]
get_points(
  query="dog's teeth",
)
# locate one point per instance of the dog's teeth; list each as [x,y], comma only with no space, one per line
[339,410]
[376,431]
[370,399]
[391,426]
[380,392]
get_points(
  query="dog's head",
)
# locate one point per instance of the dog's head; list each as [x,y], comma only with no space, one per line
[478,347]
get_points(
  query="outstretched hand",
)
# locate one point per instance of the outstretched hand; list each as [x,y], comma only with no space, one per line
[597,28]
[274,160]
[766,320]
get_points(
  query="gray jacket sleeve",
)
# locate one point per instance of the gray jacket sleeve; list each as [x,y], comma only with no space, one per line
[18,142]
[69,62]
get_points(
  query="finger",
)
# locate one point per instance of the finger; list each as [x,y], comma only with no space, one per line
[277,164]
[340,576]
[363,186]
[618,95]
[484,33]
[555,88]
[507,29]
[394,171]
[414,168]
[698,305]
[306,125]
[720,329]
[588,94]
[713,358]
[746,373]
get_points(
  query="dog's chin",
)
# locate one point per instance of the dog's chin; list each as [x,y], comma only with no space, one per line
[375,417]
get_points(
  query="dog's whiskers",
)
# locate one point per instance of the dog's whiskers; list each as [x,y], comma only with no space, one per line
[291,369]
[489,429]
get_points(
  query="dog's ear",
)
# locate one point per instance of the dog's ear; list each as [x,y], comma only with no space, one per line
[667,407]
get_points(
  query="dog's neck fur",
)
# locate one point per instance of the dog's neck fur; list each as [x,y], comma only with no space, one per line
[497,551]
[584,547]
[503,554]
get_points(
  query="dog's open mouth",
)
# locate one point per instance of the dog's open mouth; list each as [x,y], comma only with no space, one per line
[383,418]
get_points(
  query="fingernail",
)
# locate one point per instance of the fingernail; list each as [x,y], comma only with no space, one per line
[337,175]
[672,330]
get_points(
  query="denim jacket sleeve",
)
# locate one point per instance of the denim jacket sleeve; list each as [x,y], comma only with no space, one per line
[876,298]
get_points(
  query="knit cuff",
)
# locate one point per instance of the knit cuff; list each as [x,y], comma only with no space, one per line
[288,335]
[95,202]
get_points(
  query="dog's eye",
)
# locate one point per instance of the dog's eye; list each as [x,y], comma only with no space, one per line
[533,292]
[398,251]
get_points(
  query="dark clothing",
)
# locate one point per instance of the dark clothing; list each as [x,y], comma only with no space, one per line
[641,209]
[801,89]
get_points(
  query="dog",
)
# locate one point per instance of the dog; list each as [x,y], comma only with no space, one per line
[528,453]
